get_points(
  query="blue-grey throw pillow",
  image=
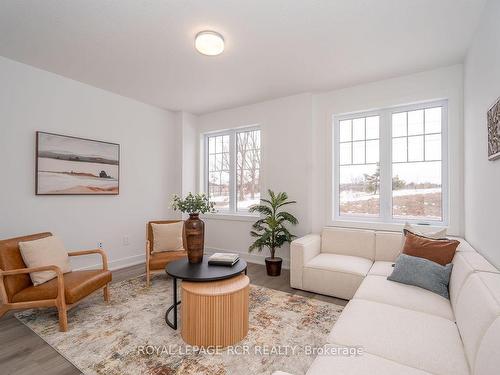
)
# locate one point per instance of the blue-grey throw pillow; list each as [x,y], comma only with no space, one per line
[423,273]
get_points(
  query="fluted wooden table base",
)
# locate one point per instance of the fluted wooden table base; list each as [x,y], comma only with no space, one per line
[215,313]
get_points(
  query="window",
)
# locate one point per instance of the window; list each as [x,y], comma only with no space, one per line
[390,165]
[232,173]
[359,166]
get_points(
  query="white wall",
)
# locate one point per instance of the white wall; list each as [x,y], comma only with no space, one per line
[160,155]
[32,99]
[190,149]
[286,145]
[482,177]
[296,136]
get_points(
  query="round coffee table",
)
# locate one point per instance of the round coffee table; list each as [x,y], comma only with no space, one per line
[197,272]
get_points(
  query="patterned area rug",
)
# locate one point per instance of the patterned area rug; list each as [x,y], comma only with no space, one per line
[129,335]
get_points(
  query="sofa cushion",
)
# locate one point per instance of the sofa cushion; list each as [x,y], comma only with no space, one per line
[365,363]
[335,275]
[476,311]
[340,263]
[77,285]
[381,268]
[353,242]
[440,251]
[423,230]
[388,245]
[464,245]
[379,289]
[412,338]
[422,273]
[464,264]
[487,358]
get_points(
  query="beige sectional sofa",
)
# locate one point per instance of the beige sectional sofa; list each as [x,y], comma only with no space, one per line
[401,329]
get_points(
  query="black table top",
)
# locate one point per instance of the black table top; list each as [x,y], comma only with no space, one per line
[184,270]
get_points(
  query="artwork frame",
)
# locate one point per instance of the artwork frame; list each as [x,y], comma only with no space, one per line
[493,123]
[69,165]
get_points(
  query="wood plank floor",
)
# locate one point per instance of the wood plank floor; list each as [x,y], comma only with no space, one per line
[22,352]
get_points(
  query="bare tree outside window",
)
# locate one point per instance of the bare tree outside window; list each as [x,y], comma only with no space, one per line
[218,171]
[247,168]
[233,160]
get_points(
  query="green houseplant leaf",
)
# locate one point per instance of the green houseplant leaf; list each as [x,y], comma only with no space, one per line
[193,204]
[270,230]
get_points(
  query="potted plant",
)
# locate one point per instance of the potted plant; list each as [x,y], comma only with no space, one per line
[270,229]
[194,227]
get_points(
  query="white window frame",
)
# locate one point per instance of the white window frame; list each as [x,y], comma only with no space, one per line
[232,210]
[385,162]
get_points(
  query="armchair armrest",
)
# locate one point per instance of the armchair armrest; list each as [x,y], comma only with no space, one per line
[56,269]
[93,251]
[302,250]
[20,271]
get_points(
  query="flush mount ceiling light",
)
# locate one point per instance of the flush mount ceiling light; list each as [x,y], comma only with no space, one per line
[209,43]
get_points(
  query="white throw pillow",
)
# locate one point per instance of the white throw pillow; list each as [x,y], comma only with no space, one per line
[167,237]
[48,251]
[441,233]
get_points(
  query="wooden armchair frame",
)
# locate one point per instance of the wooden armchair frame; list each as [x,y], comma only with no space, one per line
[59,302]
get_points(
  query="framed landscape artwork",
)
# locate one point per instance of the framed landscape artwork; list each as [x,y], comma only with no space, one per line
[494,131]
[75,166]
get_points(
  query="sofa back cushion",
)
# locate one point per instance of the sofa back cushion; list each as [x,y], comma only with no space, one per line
[388,245]
[353,242]
[477,312]
[464,246]
[464,264]
[11,259]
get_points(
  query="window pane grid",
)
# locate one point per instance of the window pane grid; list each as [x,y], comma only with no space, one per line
[219,170]
[247,169]
[359,171]
[232,161]
[416,165]
[411,185]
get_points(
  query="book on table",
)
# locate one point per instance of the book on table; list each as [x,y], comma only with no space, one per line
[223,259]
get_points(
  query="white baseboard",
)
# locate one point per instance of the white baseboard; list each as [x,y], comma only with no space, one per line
[140,259]
[118,263]
[249,257]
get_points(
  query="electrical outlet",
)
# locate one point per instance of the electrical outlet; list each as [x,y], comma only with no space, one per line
[99,245]
[126,240]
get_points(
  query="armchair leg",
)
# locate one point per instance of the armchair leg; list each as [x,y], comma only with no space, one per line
[63,318]
[106,294]
[147,278]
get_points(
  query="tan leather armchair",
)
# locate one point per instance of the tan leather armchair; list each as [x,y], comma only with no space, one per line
[64,291]
[156,262]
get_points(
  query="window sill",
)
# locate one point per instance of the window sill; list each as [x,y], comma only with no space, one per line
[231,217]
[382,226]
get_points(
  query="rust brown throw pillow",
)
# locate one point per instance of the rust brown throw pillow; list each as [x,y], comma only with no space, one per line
[437,250]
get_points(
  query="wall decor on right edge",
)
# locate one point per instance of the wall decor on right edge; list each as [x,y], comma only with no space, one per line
[494,131]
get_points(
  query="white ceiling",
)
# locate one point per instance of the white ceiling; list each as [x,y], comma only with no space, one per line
[143,49]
